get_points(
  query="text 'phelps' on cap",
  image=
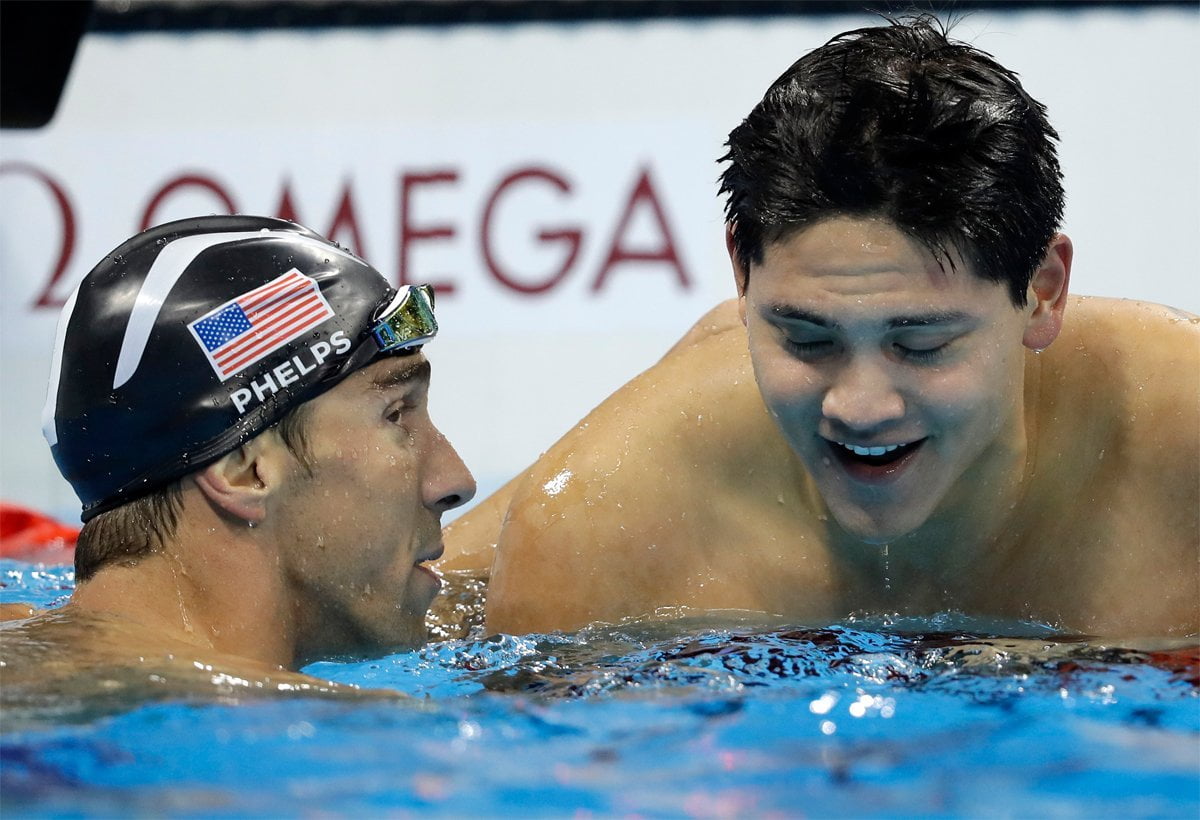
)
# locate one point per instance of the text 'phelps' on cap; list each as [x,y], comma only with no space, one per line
[194,336]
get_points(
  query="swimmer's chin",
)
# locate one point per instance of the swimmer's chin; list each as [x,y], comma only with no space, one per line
[872,539]
[870,533]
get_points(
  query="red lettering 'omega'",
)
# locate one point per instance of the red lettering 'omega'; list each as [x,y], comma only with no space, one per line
[618,254]
[47,297]
[571,237]
[345,218]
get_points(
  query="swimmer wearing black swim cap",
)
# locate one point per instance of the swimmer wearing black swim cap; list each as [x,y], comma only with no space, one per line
[194,336]
[240,405]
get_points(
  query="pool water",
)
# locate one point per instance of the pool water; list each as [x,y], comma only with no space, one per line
[666,718]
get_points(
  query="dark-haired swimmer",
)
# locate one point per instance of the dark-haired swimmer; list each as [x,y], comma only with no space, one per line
[902,412]
[240,405]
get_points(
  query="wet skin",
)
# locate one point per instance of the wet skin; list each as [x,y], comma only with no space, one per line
[859,337]
[281,556]
[1059,486]
[364,516]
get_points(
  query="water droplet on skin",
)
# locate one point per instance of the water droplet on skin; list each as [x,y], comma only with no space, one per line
[558,483]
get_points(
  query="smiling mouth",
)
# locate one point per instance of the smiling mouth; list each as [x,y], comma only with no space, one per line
[873,462]
[881,454]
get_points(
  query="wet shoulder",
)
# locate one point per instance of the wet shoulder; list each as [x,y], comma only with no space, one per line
[1131,367]
[625,513]
[66,664]
[1118,415]
[670,432]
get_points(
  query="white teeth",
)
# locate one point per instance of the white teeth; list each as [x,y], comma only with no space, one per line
[869,451]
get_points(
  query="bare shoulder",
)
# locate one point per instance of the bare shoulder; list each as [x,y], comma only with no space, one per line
[470,541]
[1126,375]
[98,656]
[16,612]
[1142,327]
[615,516]
[723,318]
[1137,357]
[1121,438]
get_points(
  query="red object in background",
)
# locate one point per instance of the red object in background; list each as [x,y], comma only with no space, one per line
[27,535]
[1184,663]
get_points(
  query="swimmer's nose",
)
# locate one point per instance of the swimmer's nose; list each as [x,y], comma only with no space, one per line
[448,483]
[862,397]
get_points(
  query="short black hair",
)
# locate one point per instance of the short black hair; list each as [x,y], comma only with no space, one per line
[898,121]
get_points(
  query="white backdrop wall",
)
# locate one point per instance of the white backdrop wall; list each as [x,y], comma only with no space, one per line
[560,179]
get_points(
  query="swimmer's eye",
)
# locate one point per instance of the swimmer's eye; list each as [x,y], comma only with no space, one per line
[922,355]
[808,350]
[396,412]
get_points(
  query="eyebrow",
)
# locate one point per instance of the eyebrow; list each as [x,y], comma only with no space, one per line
[413,371]
[932,318]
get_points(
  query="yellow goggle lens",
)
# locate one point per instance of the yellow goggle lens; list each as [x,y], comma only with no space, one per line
[408,319]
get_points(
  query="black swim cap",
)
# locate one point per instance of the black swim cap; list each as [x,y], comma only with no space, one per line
[194,336]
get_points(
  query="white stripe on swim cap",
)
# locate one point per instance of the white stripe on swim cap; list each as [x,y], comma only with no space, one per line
[165,272]
[50,408]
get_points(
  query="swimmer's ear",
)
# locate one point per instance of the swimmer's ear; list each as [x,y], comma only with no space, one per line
[239,482]
[1048,294]
[741,277]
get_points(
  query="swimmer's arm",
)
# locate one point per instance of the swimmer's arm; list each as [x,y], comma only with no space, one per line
[623,515]
[582,543]
[471,539]
[532,585]
[572,550]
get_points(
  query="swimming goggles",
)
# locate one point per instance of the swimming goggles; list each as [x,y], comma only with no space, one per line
[407,321]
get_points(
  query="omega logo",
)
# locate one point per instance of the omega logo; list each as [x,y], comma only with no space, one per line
[659,256]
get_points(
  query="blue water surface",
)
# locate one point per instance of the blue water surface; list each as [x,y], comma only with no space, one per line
[674,719]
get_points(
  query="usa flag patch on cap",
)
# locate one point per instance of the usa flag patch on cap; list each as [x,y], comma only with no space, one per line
[244,330]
